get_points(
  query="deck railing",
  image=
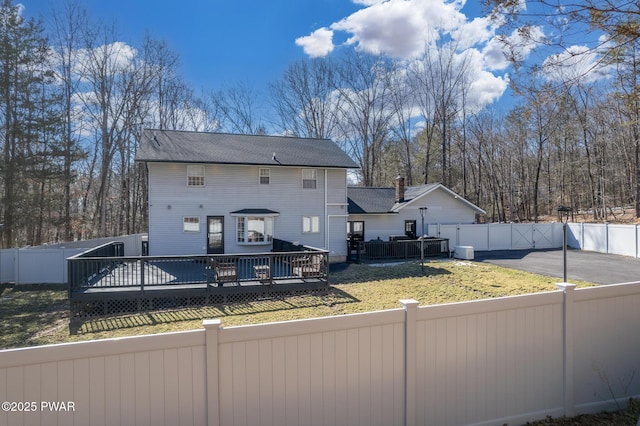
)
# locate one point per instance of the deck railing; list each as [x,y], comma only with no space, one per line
[402,249]
[87,270]
[127,273]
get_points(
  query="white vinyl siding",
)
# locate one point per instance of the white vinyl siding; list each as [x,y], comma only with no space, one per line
[231,188]
[195,175]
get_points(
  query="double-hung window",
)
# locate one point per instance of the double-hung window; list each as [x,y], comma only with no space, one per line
[195,176]
[309,178]
[265,176]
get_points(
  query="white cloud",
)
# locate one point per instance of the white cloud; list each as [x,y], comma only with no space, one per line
[319,43]
[575,63]
[400,28]
[368,2]
[407,29]
[494,57]
[475,32]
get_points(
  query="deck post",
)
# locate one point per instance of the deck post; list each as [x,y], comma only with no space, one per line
[142,262]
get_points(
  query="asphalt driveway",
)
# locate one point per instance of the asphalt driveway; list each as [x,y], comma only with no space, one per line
[581,265]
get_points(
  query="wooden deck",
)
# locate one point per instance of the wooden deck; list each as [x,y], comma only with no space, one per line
[114,284]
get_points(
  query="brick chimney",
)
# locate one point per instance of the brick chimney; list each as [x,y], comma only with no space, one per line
[399,189]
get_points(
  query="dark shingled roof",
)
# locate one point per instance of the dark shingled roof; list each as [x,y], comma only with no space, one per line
[370,200]
[363,200]
[222,148]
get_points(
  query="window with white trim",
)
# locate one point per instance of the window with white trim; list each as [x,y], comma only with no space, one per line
[191,224]
[310,224]
[309,178]
[265,176]
[195,175]
[254,229]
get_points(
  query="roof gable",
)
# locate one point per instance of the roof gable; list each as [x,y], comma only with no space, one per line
[224,148]
[368,200]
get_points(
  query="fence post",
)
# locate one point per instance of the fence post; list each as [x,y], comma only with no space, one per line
[212,327]
[567,342]
[410,311]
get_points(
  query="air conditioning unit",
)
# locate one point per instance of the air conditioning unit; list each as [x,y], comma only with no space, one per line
[463,252]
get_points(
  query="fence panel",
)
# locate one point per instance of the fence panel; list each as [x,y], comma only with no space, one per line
[7,265]
[607,344]
[621,239]
[574,235]
[474,235]
[594,237]
[489,360]
[500,236]
[448,231]
[339,371]
[137,380]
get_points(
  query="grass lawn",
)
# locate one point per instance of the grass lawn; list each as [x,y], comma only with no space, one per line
[38,315]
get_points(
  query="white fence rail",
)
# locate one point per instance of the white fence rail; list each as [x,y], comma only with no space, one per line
[506,360]
[48,264]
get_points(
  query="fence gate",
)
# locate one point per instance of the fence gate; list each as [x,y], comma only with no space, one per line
[522,236]
[543,236]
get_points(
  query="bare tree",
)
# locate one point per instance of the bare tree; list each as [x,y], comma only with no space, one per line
[440,78]
[402,100]
[365,112]
[67,28]
[237,108]
[306,100]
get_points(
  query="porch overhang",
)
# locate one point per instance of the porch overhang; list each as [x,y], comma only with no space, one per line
[254,212]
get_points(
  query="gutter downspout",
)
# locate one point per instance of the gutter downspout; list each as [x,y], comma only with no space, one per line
[326,211]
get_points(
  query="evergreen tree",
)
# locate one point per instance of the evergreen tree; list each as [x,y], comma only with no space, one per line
[28,124]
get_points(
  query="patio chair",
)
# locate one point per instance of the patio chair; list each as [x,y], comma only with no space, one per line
[224,272]
[309,266]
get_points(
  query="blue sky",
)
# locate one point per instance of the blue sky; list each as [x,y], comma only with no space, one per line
[224,42]
[253,41]
[218,41]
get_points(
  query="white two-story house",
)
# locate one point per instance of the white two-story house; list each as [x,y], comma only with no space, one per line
[212,193]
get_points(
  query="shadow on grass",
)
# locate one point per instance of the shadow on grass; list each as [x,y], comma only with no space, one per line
[349,273]
[331,297]
[25,310]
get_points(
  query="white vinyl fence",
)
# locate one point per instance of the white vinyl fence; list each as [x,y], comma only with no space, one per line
[605,238]
[501,236]
[48,264]
[505,360]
